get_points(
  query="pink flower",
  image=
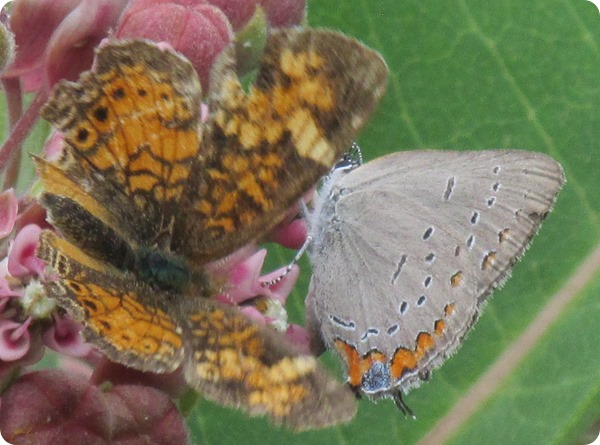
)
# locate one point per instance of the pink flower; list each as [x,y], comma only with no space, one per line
[239,12]
[31,353]
[52,406]
[198,31]
[30,57]
[264,304]
[14,340]
[53,145]
[55,39]
[283,13]
[66,33]
[64,336]
[24,307]
[21,258]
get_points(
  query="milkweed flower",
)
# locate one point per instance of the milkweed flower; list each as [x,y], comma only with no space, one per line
[29,319]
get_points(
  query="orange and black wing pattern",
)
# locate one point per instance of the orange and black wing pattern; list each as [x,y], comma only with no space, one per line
[145,195]
[263,149]
[131,135]
[116,310]
[242,364]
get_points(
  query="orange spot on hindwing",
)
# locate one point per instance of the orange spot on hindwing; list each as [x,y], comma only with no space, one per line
[373,372]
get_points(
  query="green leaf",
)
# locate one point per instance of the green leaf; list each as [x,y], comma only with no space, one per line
[478,75]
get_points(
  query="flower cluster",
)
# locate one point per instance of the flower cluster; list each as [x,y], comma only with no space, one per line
[28,319]
[62,46]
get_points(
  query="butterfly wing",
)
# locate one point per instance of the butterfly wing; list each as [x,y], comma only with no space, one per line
[131,135]
[109,305]
[241,364]
[407,247]
[226,357]
[131,175]
[132,138]
[263,150]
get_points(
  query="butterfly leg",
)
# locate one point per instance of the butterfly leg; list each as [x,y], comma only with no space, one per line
[402,406]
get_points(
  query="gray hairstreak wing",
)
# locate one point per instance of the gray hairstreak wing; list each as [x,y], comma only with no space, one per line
[405,250]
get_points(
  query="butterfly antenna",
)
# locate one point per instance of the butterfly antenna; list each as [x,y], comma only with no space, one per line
[290,266]
[352,158]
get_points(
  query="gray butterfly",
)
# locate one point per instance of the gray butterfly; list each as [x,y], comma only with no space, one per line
[406,248]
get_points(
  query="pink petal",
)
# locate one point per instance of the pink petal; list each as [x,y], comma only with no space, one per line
[31,212]
[292,231]
[244,279]
[7,369]
[299,337]
[291,235]
[15,340]
[281,290]
[254,314]
[55,407]
[71,48]
[223,266]
[198,31]
[283,13]
[64,336]
[43,16]
[21,258]
[6,292]
[53,146]
[9,206]
[237,11]
[248,271]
